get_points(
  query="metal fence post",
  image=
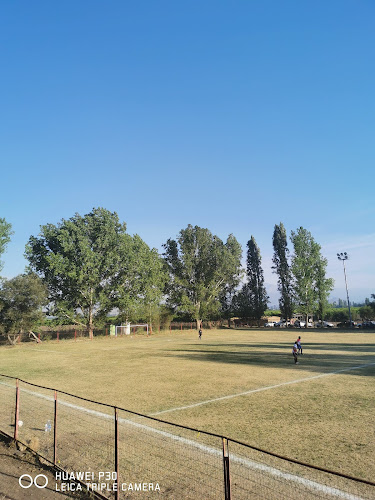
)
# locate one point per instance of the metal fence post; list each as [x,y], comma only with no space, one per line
[116,455]
[55,432]
[226,469]
[17,410]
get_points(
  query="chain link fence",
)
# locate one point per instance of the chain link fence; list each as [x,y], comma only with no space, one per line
[128,455]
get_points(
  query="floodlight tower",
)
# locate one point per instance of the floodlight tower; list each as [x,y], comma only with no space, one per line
[344,256]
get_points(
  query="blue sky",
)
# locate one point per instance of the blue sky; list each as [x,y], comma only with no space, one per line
[228,115]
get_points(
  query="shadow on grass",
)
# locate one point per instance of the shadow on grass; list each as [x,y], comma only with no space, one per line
[324,362]
[366,348]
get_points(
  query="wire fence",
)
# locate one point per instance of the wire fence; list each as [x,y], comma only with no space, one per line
[123,454]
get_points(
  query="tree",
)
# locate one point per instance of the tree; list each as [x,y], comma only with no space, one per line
[323,286]
[372,304]
[366,312]
[282,269]
[253,299]
[5,234]
[201,267]
[308,268]
[88,264]
[21,301]
[141,282]
[229,291]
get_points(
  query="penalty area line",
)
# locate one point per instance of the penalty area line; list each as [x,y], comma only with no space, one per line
[260,389]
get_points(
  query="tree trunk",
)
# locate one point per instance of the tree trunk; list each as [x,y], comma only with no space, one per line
[90,327]
[199,323]
[14,340]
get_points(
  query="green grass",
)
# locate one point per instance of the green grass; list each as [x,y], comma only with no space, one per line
[327,421]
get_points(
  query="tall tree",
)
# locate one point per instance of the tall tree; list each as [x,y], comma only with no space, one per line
[324,286]
[308,268]
[141,282]
[253,299]
[88,263]
[21,301]
[282,269]
[200,268]
[5,234]
[229,291]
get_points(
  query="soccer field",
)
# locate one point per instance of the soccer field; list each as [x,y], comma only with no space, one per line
[239,383]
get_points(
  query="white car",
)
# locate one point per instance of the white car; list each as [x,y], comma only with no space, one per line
[325,324]
[302,324]
[270,324]
[282,324]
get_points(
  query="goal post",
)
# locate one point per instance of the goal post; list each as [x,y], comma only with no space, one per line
[127,329]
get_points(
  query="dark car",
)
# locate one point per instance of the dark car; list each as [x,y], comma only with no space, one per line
[346,324]
[366,324]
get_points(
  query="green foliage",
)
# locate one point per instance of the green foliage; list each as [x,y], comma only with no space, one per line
[202,269]
[21,301]
[91,265]
[324,286]
[5,234]
[372,304]
[251,301]
[141,282]
[272,312]
[79,260]
[311,287]
[366,312]
[282,269]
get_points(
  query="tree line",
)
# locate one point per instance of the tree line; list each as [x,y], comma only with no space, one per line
[83,268]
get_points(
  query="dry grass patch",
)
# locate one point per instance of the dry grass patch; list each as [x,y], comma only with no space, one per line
[327,421]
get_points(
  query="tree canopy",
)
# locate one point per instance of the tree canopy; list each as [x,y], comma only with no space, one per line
[311,287]
[252,300]
[21,301]
[90,265]
[282,268]
[201,269]
[5,234]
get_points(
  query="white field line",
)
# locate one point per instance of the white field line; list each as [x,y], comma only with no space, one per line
[260,389]
[312,485]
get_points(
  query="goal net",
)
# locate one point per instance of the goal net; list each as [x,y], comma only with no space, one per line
[130,329]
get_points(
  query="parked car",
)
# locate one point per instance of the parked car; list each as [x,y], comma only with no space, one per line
[324,324]
[270,324]
[346,324]
[366,324]
[282,324]
[302,324]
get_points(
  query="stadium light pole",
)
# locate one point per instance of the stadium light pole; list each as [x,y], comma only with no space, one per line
[343,256]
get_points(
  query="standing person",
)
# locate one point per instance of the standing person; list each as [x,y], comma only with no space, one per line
[299,347]
[200,333]
[294,352]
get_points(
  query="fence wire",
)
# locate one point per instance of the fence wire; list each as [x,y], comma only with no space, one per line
[156,457]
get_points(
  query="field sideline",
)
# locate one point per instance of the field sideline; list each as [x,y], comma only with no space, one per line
[242,384]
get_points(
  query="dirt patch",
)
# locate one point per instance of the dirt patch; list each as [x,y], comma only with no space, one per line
[14,463]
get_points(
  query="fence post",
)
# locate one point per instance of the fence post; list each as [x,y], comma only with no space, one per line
[226,469]
[57,336]
[17,411]
[116,455]
[75,335]
[55,432]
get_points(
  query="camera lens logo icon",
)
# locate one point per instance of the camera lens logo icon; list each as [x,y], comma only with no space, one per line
[40,481]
